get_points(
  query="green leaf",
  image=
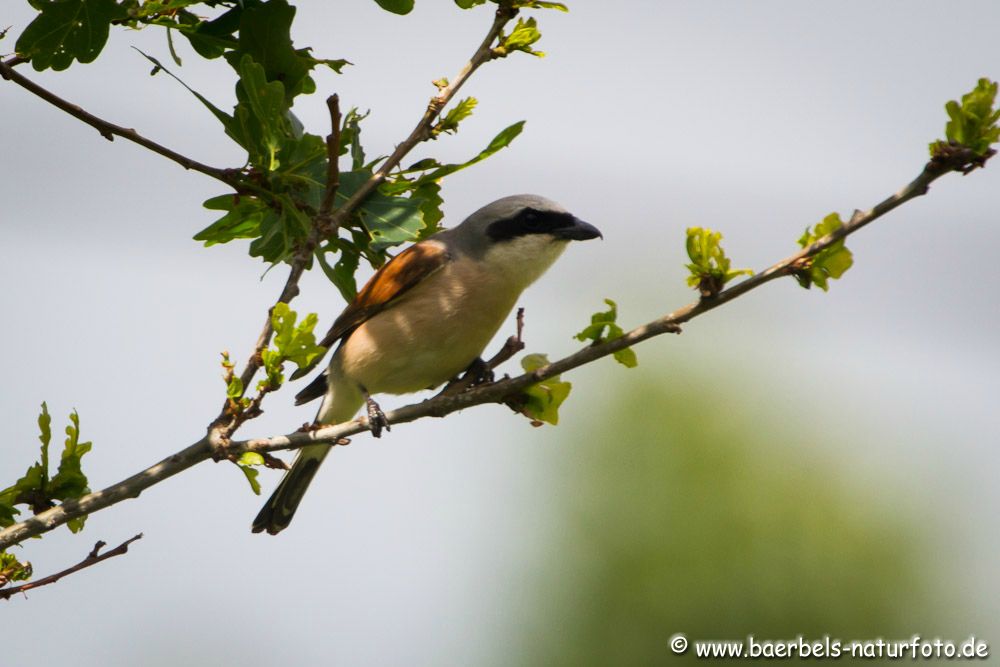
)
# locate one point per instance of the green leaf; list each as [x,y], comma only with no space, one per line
[11,569]
[67,30]
[539,4]
[234,388]
[392,220]
[36,488]
[154,8]
[251,475]
[626,357]
[524,34]
[7,512]
[469,4]
[70,481]
[265,37]
[498,143]
[295,343]
[709,268]
[303,169]
[273,242]
[350,138]
[275,229]
[542,400]
[396,6]
[273,371]
[251,459]
[603,327]
[45,436]
[260,116]
[458,113]
[341,274]
[246,460]
[389,220]
[211,39]
[973,123]
[830,263]
[241,221]
[429,199]
[28,490]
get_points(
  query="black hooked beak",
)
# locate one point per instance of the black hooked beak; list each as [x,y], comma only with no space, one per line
[578,231]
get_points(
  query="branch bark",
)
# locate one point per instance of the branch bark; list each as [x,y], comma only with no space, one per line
[93,558]
[109,130]
[445,404]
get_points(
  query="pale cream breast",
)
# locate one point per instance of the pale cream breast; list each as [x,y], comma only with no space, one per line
[440,326]
[435,331]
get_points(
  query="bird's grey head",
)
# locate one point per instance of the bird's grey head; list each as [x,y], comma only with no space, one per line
[520,218]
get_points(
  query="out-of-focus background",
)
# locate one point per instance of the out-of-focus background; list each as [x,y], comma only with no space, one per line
[795,463]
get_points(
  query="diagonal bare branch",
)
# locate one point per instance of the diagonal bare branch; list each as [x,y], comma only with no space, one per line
[109,130]
[93,558]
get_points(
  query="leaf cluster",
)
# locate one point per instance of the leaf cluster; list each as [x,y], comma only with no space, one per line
[11,569]
[458,113]
[540,402]
[524,34]
[38,488]
[603,327]
[709,269]
[292,342]
[973,123]
[828,264]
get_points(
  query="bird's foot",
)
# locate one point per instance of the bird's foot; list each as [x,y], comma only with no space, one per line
[376,418]
[480,372]
[309,427]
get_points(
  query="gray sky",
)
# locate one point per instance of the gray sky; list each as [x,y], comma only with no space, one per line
[756,119]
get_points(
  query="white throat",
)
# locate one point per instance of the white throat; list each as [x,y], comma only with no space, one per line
[522,260]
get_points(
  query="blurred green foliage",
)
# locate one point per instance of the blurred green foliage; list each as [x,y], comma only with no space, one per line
[683,515]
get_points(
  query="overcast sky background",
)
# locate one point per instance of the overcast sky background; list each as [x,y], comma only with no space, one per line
[756,119]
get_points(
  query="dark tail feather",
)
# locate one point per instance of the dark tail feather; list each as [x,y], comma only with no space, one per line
[278,511]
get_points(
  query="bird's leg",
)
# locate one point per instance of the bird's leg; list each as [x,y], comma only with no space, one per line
[479,371]
[376,418]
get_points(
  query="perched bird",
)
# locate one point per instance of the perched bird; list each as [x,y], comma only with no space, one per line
[425,317]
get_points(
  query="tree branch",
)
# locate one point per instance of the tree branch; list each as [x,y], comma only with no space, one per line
[109,130]
[332,156]
[444,404]
[92,559]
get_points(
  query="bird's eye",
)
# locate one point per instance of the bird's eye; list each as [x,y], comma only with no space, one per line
[532,220]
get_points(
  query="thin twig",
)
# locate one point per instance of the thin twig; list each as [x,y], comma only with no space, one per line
[441,406]
[93,558]
[109,130]
[332,156]
[422,131]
